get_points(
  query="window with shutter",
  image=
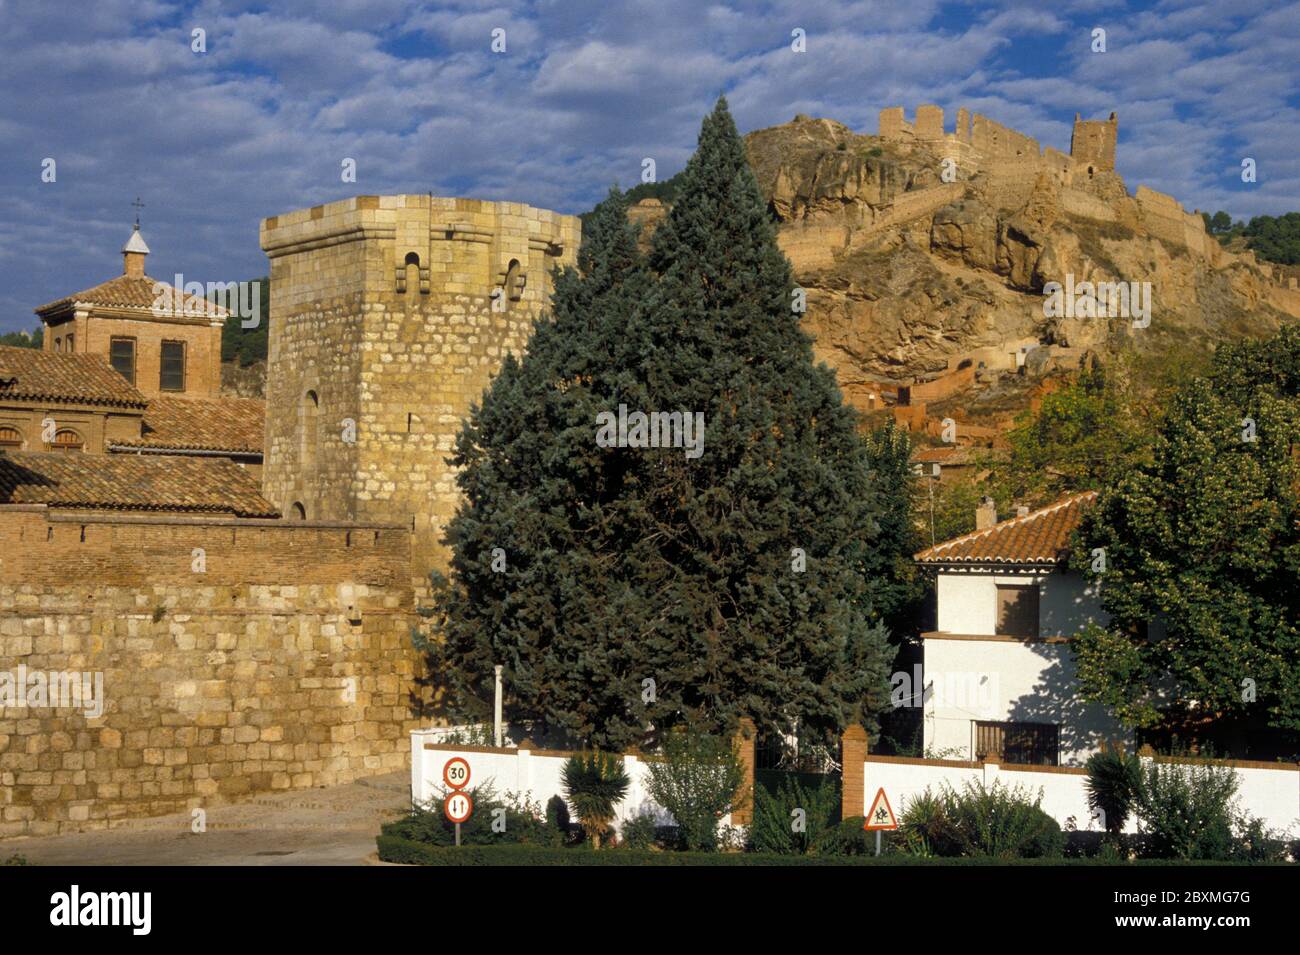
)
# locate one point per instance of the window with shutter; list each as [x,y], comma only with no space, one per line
[1017,610]
[121,355]
[172,371]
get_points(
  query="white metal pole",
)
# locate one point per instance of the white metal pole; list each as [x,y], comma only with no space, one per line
[496,715]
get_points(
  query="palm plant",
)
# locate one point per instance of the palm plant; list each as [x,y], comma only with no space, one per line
[1114,781]
[595,783]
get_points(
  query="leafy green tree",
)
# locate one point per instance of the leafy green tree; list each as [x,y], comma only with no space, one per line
[248,345]
[1275,238]
[595,783]
[33,339]
[1201,551]
[1083,436]
[642,587]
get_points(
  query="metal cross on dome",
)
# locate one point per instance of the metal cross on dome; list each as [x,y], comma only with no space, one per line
[138,206]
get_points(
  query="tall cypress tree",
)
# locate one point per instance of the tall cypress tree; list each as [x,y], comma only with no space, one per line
[644,587]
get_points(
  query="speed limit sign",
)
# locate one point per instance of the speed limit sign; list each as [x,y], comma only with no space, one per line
[456,773]
[458,807]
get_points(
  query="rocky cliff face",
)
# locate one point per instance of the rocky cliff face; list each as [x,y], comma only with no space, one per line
[910,276]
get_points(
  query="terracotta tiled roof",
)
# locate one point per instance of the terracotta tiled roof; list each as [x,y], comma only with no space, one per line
[130,482]
[1040,537]
[202,424]
[137,291]
[35,375]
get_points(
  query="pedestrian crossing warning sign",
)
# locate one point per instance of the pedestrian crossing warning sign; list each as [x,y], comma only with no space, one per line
[881,815]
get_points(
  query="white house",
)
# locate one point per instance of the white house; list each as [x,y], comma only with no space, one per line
[998,676]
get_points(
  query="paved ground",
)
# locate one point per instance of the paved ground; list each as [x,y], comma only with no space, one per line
[335,825]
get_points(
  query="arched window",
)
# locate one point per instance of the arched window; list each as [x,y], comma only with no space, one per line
[65,439]
[11,438]
[307,422]
[299,512]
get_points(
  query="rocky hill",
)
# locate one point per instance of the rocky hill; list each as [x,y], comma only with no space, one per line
[925,258]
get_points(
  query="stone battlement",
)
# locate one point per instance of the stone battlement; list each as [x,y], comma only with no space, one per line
[1092,145]
[390,316]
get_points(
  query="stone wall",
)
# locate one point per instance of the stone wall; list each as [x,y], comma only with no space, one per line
[1164,217]
[401,350]
[284,663]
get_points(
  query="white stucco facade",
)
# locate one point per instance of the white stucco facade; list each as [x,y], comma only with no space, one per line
[973,675]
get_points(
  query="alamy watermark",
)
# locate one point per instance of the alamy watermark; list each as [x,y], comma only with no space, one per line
[56,689]
[973,692]
[658,429]
[241,299]
[1098,300]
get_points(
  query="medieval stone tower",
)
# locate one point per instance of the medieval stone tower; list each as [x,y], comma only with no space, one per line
[1092,145]
[389,315]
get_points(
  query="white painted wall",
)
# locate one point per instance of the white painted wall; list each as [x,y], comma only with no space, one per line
[1270,794]
[967,600]
[996,679]
[518,771]
[971,680]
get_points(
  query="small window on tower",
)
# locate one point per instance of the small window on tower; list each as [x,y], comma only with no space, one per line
[11,438]
[172,373]
[121,355]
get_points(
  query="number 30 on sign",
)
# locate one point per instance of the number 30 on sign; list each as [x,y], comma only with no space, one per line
[458,807]
[456,773]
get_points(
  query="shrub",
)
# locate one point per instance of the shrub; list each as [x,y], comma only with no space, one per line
[1255,842]
[847,838]
[921,828]
[1114,778]
[557,816]
[595,783]
[1186,811]
[523,821]
[698,780]
[977,820]
[639,832]
[778,825]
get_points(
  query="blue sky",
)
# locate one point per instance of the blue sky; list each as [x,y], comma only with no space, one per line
[259,124]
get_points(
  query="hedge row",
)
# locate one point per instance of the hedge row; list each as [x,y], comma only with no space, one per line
[397,849]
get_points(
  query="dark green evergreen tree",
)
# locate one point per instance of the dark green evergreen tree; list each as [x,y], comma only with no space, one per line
[643,587]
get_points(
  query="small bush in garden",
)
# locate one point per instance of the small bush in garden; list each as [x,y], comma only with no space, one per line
[996,821]
[846,838]
[595,783]
[791,819]
[698,780]
[639,832]
[1186,812]
[557,817]
[1255,842]
[921,828]
[520,821]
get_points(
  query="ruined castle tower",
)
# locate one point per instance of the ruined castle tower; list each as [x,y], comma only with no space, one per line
[389,315]
[1092,145]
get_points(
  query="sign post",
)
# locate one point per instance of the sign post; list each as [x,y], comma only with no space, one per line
[881,817]
[458,806]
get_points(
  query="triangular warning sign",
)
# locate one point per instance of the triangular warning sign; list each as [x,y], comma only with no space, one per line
[881,815]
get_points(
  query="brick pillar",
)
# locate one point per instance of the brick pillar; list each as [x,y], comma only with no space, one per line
[746,744]
[853,794]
